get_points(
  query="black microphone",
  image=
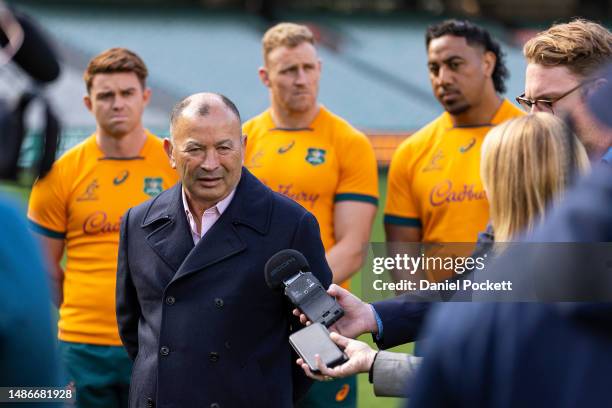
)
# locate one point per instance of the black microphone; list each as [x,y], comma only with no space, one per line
[36,55]
[289,269]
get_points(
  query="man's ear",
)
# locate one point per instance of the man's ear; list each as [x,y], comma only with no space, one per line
[264,76]
[87,102]
[146,96]
[168,148]
[592,86]
[489,60]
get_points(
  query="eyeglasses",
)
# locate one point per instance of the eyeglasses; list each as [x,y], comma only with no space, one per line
[545,105]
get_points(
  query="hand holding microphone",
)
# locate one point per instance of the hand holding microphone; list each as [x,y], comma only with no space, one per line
[289,269]
[358,315]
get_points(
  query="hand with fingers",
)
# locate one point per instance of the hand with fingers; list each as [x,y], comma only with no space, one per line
[358,316]
[360,359]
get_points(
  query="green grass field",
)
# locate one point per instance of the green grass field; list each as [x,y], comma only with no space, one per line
[366,397]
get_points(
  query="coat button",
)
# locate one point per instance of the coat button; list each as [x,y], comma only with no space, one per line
[164,351]
[170,300]
[215,405]
[219,302]
[213,356]
[150,403]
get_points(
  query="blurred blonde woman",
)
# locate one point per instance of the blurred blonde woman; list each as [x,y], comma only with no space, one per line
[526,165]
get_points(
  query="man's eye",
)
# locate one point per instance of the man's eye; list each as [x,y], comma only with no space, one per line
[434,69]
[547,104]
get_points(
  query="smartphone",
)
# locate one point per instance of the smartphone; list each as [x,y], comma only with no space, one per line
[314,339]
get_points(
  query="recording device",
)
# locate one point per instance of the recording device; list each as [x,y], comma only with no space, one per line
[314,339]
[25,44]
[289,269]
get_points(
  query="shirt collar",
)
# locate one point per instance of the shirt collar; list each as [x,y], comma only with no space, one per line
[220,207]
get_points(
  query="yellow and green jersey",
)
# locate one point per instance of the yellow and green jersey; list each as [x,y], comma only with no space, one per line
[81,201]
[327,162]
[434,180]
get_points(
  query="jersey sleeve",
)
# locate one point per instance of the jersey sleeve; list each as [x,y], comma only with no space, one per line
[358,171]
[400,207]
[47,208]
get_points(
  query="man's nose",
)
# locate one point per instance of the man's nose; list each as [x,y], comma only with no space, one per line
[300,77]
[211,161]
[444,76]
[118,102]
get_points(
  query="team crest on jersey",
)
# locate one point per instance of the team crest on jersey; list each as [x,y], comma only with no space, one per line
[153,186]
[315,156]
[90,192]
[434,164]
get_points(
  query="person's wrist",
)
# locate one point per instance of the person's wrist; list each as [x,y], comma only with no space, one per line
[373,356]
[371,325]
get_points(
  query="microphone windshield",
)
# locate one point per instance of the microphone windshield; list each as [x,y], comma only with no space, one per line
[36,55]
[282,265]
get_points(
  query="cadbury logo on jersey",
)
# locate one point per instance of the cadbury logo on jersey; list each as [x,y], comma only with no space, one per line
[98,223]
[308,200]
[443,193]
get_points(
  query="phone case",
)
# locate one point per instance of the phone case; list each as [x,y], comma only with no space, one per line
[314,339]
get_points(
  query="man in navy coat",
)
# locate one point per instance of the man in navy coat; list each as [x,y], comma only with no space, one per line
[193,308]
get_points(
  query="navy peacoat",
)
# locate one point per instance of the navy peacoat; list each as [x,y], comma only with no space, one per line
[200,322]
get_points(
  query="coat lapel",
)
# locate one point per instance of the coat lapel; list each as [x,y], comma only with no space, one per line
[251,206]
[170,235]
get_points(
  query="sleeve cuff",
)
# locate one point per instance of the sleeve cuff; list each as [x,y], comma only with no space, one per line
[45,231]
[403,221]
[365,198]
[379,324]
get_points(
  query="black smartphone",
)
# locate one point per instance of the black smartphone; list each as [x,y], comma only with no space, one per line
[314,339]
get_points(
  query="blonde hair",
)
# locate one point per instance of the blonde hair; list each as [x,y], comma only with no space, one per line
[285,35]
[525,167]
[580,45]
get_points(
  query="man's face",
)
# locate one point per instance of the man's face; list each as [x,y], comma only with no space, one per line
[117,101]
[549,83]
[458,72]
[207,151]
[542,82]
[292,75]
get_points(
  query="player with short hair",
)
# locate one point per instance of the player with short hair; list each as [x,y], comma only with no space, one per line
[300,149]
[78,207]
[434,189]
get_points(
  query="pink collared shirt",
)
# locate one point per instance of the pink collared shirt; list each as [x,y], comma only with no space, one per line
[210,216]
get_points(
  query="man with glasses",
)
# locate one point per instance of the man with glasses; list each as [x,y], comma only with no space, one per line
[561,64]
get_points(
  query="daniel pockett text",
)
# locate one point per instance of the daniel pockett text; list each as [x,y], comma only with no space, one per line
[412,264]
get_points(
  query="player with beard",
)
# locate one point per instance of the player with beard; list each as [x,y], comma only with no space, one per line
[434,189]
[78,207]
